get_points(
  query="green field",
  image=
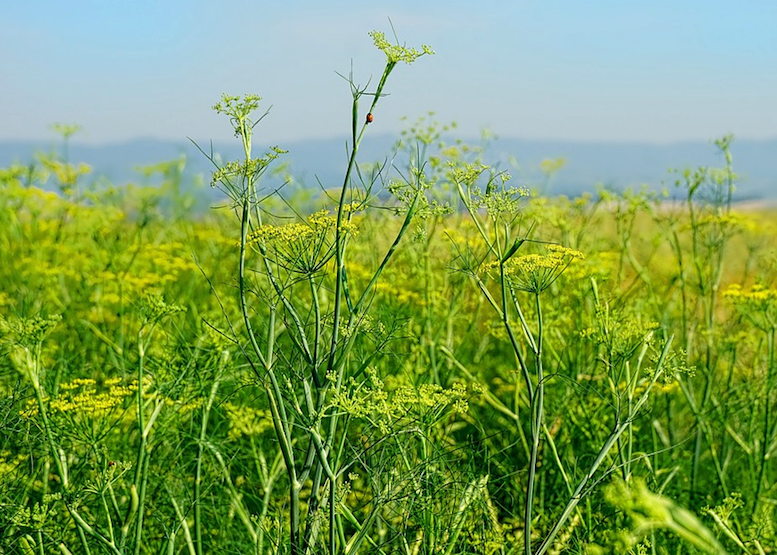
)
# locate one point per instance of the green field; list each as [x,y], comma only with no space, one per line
[436,362]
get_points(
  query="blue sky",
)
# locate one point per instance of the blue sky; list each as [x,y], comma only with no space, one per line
[600,70]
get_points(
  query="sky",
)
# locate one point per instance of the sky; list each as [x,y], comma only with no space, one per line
[596,71]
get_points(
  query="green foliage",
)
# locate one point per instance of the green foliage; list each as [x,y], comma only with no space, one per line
[428,361]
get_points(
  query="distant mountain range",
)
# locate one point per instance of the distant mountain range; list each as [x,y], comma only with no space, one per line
[615,165]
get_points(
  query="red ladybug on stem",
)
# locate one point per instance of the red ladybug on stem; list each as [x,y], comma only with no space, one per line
[369,118]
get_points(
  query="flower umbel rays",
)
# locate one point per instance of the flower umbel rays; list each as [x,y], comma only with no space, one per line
[534,273]
[396,53]
[304,247]
[758,304]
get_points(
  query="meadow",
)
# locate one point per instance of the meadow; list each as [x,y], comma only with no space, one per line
[426,358]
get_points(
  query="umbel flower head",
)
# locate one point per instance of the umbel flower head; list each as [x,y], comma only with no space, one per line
[534,273]
[758,304]
[397,53]
[303,247]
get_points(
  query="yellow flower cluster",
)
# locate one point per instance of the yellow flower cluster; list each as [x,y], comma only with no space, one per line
[84,397]
[246,421]
[730,222]
[66,174]
[316,226]
[602,266]
[303,247]
[189,406]
[391,287]
[433,395]
[282,233]
[76,383]
[28,331]
[536,272]
[353,207]
[758,294]
[153,268]
[758,304]
[385,407]
[464,235]
[395,52]
[623,337]
[34,198]
[9,464]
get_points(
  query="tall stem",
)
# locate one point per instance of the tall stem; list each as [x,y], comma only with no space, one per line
[537,402]
[767,435]
[142,445]
[198,470]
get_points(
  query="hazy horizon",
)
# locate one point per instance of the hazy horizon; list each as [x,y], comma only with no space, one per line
[620,165]
[54,140]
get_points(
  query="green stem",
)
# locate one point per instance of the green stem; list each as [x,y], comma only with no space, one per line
[537,407]
[34,368]
[198,469]
[619,429]
[766,441]
[142,444]
[504,313]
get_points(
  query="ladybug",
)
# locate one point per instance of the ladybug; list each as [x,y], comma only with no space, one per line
[369,118]
[111,463]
